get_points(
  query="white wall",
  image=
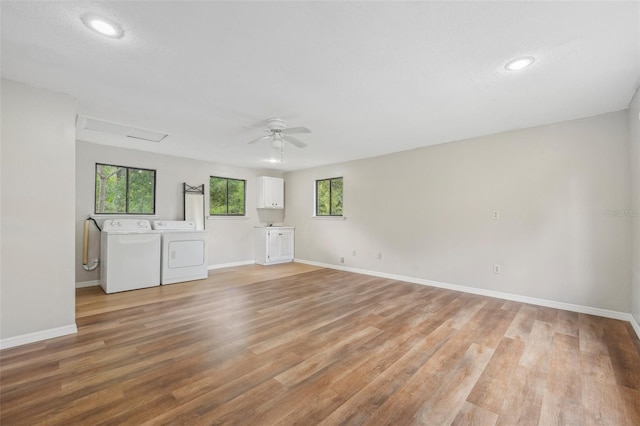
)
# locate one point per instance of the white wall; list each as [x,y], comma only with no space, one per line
[230,240]
[38,188]
[428,211]
[634,130]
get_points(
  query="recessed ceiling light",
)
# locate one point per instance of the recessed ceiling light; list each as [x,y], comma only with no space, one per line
[519,63]
[103,26]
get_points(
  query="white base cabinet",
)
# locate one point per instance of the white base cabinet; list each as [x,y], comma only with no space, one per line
[274,244]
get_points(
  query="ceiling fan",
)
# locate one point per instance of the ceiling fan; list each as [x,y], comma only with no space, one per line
[278,133]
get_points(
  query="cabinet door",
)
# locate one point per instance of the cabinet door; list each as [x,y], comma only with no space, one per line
[270,193]
[280,245]
[286,244]
[277,192]
[273,246]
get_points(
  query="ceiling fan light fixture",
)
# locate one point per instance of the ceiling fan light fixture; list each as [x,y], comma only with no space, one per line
[276,143]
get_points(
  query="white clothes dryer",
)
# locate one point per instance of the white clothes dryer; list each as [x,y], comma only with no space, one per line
[129,255]
[184,251]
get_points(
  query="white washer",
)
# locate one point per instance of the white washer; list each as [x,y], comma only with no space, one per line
[129,255]
[184,251]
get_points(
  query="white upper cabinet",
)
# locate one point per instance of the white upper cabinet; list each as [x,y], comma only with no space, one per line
[270,192]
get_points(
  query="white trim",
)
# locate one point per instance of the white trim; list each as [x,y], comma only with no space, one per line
[338,218]
[83,284]
[37,336]
[229,265]
[490,293]
[635,325]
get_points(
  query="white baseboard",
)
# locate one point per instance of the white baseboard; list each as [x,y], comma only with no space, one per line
[490,293]
[24,339]
[83,284]
[635,325]
[229,265]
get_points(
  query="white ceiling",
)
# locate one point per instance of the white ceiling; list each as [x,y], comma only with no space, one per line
[368,78]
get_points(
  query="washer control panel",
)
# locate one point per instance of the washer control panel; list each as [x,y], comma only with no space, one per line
[126,225]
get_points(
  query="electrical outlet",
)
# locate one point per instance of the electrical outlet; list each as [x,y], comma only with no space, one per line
[380,255]
[342,260]
[497,269]
[495,215]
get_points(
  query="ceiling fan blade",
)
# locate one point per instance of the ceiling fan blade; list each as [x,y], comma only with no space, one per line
[294,141]
[294,130]
[261,138]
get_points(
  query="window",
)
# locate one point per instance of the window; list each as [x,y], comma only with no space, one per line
[329,197]
[125,190]
[226,196]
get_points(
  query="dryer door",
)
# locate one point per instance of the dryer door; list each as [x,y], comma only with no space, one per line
[185,254]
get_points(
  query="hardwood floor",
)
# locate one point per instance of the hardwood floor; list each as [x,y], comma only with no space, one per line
[294,344]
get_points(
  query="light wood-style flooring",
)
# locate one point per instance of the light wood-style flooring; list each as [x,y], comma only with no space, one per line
[294,344]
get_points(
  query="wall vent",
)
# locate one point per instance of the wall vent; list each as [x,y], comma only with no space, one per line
[102,126]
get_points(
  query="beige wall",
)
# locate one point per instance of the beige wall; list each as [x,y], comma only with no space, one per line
[230,240]
[634,128]
[428,211]
[38,188]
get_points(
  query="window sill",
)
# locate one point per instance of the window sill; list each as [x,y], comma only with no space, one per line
[329,217]
[228,217]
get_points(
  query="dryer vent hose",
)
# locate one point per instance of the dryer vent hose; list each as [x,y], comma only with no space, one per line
[85,248]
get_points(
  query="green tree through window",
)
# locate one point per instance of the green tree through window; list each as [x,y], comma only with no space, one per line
[329,197]
[124,190]
[226,196]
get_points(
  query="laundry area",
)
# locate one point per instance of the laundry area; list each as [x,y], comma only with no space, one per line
[139,253]
[177,235]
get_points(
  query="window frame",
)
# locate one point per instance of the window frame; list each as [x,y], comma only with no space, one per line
[244,202]
[316,212]
[126,191]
